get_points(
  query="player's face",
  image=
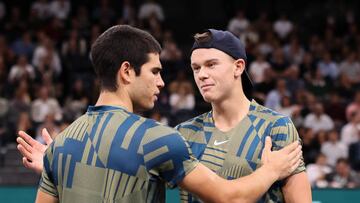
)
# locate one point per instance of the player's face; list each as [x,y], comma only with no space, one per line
[213,73]
[147,85]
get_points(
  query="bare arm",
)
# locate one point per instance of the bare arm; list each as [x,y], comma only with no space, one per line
[212,188]
[297,189]
[43,197]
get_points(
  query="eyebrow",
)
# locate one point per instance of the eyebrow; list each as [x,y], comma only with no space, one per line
[157,68]
[207,61]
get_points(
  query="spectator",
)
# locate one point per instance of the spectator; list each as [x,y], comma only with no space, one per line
[41,8]
[45,105]
[318,120]
[350,131]
[24,45]
[239,24]
[22,70]
[354,152]
[333,148]
[273,100]
[258,68]
[283,27]
[343,177]
[354,106]
[151,8]
[60,9]
[328,68]
[317,172]
[351,68]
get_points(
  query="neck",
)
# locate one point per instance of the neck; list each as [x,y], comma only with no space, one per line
[229,112]
[117,98]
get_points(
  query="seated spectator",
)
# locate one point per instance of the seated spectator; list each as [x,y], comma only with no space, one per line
[41,8]
[310,145]
[350,131]
[46,58]
[354,152]
[333,148]
[317,120]
[24,45]
[317,172]
[354,106]
[350,67]
[273,99]
[60,9]
[77,101]
[343,177]
[291,110]
[170,52]
[151,8]
[45,105]
[183,98]
[257,68]
[294,52]
[317,84]
[50,125]
[335,108]
[239,24]
[283,27]
[182,103]
[328,67]
[22,70]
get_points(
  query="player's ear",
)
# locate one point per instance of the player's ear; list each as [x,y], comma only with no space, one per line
[239,67]
[126,73]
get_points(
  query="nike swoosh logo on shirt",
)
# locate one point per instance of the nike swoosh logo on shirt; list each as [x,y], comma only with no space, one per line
[216,143]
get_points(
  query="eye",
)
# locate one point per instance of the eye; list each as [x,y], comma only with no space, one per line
[211,65]
[156,71]
[196,69]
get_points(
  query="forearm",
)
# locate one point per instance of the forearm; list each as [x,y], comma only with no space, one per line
[250,188]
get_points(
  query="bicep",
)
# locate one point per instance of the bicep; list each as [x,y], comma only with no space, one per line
[43,197]
[297,188]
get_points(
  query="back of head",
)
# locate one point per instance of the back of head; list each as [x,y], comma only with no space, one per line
[116,45]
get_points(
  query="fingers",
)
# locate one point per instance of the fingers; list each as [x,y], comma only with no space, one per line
[46,136]
[24,144]
[268,144]
[27,138]
[297,156]
[26,162]
[24,152]
[291,147]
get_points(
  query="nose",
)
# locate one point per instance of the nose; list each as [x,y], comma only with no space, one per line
[202,74]
[160,82]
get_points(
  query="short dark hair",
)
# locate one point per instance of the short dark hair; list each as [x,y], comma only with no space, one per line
[116,45]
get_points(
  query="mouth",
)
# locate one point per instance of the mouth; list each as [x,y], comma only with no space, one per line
[156,96]
[206,87]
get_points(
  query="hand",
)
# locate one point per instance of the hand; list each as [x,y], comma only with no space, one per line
[32,150]
[282,162]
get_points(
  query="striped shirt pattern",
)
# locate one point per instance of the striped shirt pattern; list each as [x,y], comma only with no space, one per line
[111,155]
[237,153]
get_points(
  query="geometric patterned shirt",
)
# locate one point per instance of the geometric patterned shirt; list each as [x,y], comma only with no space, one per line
[112,155]
[237,152]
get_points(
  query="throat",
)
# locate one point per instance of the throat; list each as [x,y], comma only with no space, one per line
[228,118]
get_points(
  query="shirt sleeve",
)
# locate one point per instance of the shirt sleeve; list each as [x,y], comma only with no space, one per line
[169,157]
[283,133]
[47,184]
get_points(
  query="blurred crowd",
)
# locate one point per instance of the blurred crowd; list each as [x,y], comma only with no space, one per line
[46,77]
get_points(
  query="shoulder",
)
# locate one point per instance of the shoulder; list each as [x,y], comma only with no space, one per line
[195,124]
[262,112]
